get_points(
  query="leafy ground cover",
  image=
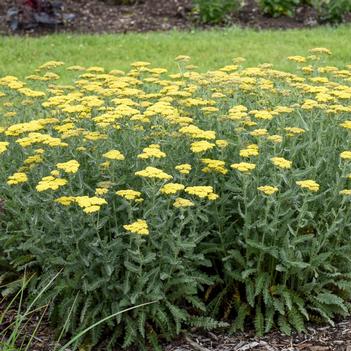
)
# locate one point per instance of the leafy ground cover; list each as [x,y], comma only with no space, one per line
[221,198]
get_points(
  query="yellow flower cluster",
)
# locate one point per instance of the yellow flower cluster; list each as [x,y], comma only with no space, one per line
[281,162]
[171,188]
[130,194]
[181,202]
[152,150]
[184,168]
[138,227]
[17,178]
[50,182]
[69,166]
[3,146]
[201,146]
[217,166]
[153,172]
[267,189]
[243,167]
[114,155]
[308,184]
[184,123]
[88,204]
[202,192]
[250,150]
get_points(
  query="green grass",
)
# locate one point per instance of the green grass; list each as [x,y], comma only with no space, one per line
[209,49]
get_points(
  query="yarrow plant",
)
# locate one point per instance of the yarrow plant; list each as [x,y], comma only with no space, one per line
[221,197]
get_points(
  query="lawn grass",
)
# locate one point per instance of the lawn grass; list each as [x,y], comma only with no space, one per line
[209,49]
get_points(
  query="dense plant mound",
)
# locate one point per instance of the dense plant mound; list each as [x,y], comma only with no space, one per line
[219,196]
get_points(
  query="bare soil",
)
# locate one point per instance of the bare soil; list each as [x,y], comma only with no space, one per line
[96,16]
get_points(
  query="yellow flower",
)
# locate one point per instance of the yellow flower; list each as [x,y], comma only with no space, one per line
[86,202]
[292,131]
[201,192]
[201,146]
[184,168]
[267,189]
[153,172]
[251,150]
[180,202]
[55,173]
[263,115]
[50,182]
[17,178]
[275,138]
[129,194]
[3,146]
[259,132]
[69,166]
[65,200]
[299,59]
[346,124]
[346,192]
[91,209]
[101,191]
[244,167]
[171,188]
[281,162]
[320,51]
[214,166]
[138,227]
[308,184]
[222,143]
[140,64]
[346,155]
[152,150]
[114,155]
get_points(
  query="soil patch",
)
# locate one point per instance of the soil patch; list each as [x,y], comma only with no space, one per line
[94,16]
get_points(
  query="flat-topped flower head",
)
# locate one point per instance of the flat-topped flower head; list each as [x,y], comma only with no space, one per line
[201,146]
[69,166]
[153,172]
[130,194]
[171,188]
[114,155]
[244,167]
[181,202]
[217,166]
[183,168]
[308,184]
[50,183]
[138,227]
[267,189]
[3,146]
[17,178]
[281,162]
[152,151]
[320,51]
[346,155]
[202,191]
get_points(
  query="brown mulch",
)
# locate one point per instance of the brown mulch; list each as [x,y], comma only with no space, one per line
[94,16]
[326,338]
[316,338]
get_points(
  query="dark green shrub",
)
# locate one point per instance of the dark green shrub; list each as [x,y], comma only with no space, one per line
[215,11]
[331,10]
[279,7]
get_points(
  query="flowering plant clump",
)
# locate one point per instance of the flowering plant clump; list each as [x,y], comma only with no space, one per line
[219,196]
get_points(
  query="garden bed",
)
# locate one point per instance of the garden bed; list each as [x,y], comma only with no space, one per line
[93,16]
